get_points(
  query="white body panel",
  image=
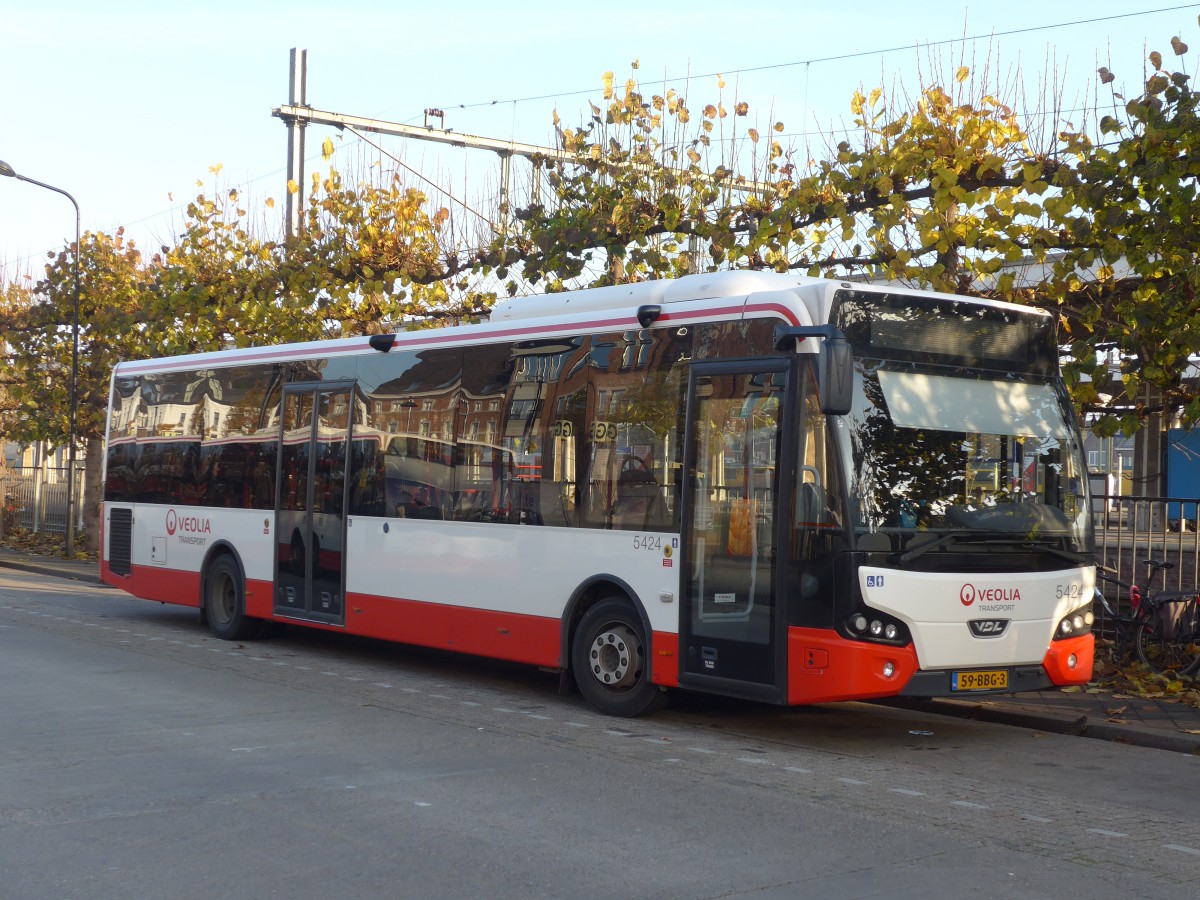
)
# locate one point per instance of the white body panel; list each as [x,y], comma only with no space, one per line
[937,606]
[512,568]
[179,537]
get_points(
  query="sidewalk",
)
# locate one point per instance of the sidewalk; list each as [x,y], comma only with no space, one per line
[1160,724]
[53,566]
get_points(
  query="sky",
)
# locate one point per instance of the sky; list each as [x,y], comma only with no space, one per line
[128,104]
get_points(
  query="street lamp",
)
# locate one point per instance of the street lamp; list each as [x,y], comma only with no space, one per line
[7,171]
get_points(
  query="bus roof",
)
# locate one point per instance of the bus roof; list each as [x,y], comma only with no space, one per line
[798,298]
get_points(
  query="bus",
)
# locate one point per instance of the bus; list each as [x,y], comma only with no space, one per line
[786,489]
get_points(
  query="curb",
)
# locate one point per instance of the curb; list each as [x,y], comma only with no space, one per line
[51,570]
[1077,726]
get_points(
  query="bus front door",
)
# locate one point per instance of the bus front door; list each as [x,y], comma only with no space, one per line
[731,628]
[310,520]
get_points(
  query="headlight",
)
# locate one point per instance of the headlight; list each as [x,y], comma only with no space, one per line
[1075,623]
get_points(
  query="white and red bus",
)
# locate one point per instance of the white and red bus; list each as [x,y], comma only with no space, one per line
[774,487]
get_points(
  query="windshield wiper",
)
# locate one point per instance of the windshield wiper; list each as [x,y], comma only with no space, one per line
[996,537]
[921,549]
[1072,555]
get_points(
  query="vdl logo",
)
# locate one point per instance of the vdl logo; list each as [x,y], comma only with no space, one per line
[988,627]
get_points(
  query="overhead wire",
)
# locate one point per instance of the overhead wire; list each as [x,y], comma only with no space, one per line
[844,56]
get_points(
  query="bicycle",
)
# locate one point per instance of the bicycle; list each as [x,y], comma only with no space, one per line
[1163,628]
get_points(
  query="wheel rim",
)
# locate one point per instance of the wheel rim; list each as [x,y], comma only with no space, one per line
[615,656]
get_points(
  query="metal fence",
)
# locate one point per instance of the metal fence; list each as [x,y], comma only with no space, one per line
[35,498]
[1131,530]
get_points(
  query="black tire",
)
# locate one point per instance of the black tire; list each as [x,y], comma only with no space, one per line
[609,655]
[1180,656]
[225,602]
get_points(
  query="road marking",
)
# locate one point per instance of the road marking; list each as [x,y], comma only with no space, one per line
[701,750]
[468,703]
[578,725]
[1183,849]
[1106,833]
[754,761]
[797,770]
[967,804]
[852,781]
[537,716]
[382,684]
[1033,818]
[907,793]
[503,709]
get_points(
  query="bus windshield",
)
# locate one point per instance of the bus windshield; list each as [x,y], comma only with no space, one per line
[984,451]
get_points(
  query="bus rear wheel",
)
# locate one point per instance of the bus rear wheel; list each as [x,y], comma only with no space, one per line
[608,655]
[225,602]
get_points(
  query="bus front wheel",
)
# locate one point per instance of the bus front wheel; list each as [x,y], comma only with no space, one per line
[225,602]
[610,661]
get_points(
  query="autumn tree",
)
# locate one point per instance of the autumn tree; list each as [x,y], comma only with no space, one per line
[38,327]
[1128,285]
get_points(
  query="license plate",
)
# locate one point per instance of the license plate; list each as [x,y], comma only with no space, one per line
[979,681]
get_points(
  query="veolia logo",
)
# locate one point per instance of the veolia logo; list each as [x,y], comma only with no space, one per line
[969,593]
[187,524]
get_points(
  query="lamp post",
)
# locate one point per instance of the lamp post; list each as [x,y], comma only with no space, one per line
[8,171]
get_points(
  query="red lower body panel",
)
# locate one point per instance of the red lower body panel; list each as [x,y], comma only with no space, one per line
[156,583]
[823,668]
[1057,663]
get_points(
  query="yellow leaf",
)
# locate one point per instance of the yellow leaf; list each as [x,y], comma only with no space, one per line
[1156,59]
[856,103]
[876,93]
[270,203]
[962,74]
[608,85]
[327,149]
[293,188]
[753,133]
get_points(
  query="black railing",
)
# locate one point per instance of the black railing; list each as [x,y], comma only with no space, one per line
[1130,530]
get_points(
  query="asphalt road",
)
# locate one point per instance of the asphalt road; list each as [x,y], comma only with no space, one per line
[140,757]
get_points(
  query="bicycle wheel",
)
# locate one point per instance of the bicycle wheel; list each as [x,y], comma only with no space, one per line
[1180,656]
